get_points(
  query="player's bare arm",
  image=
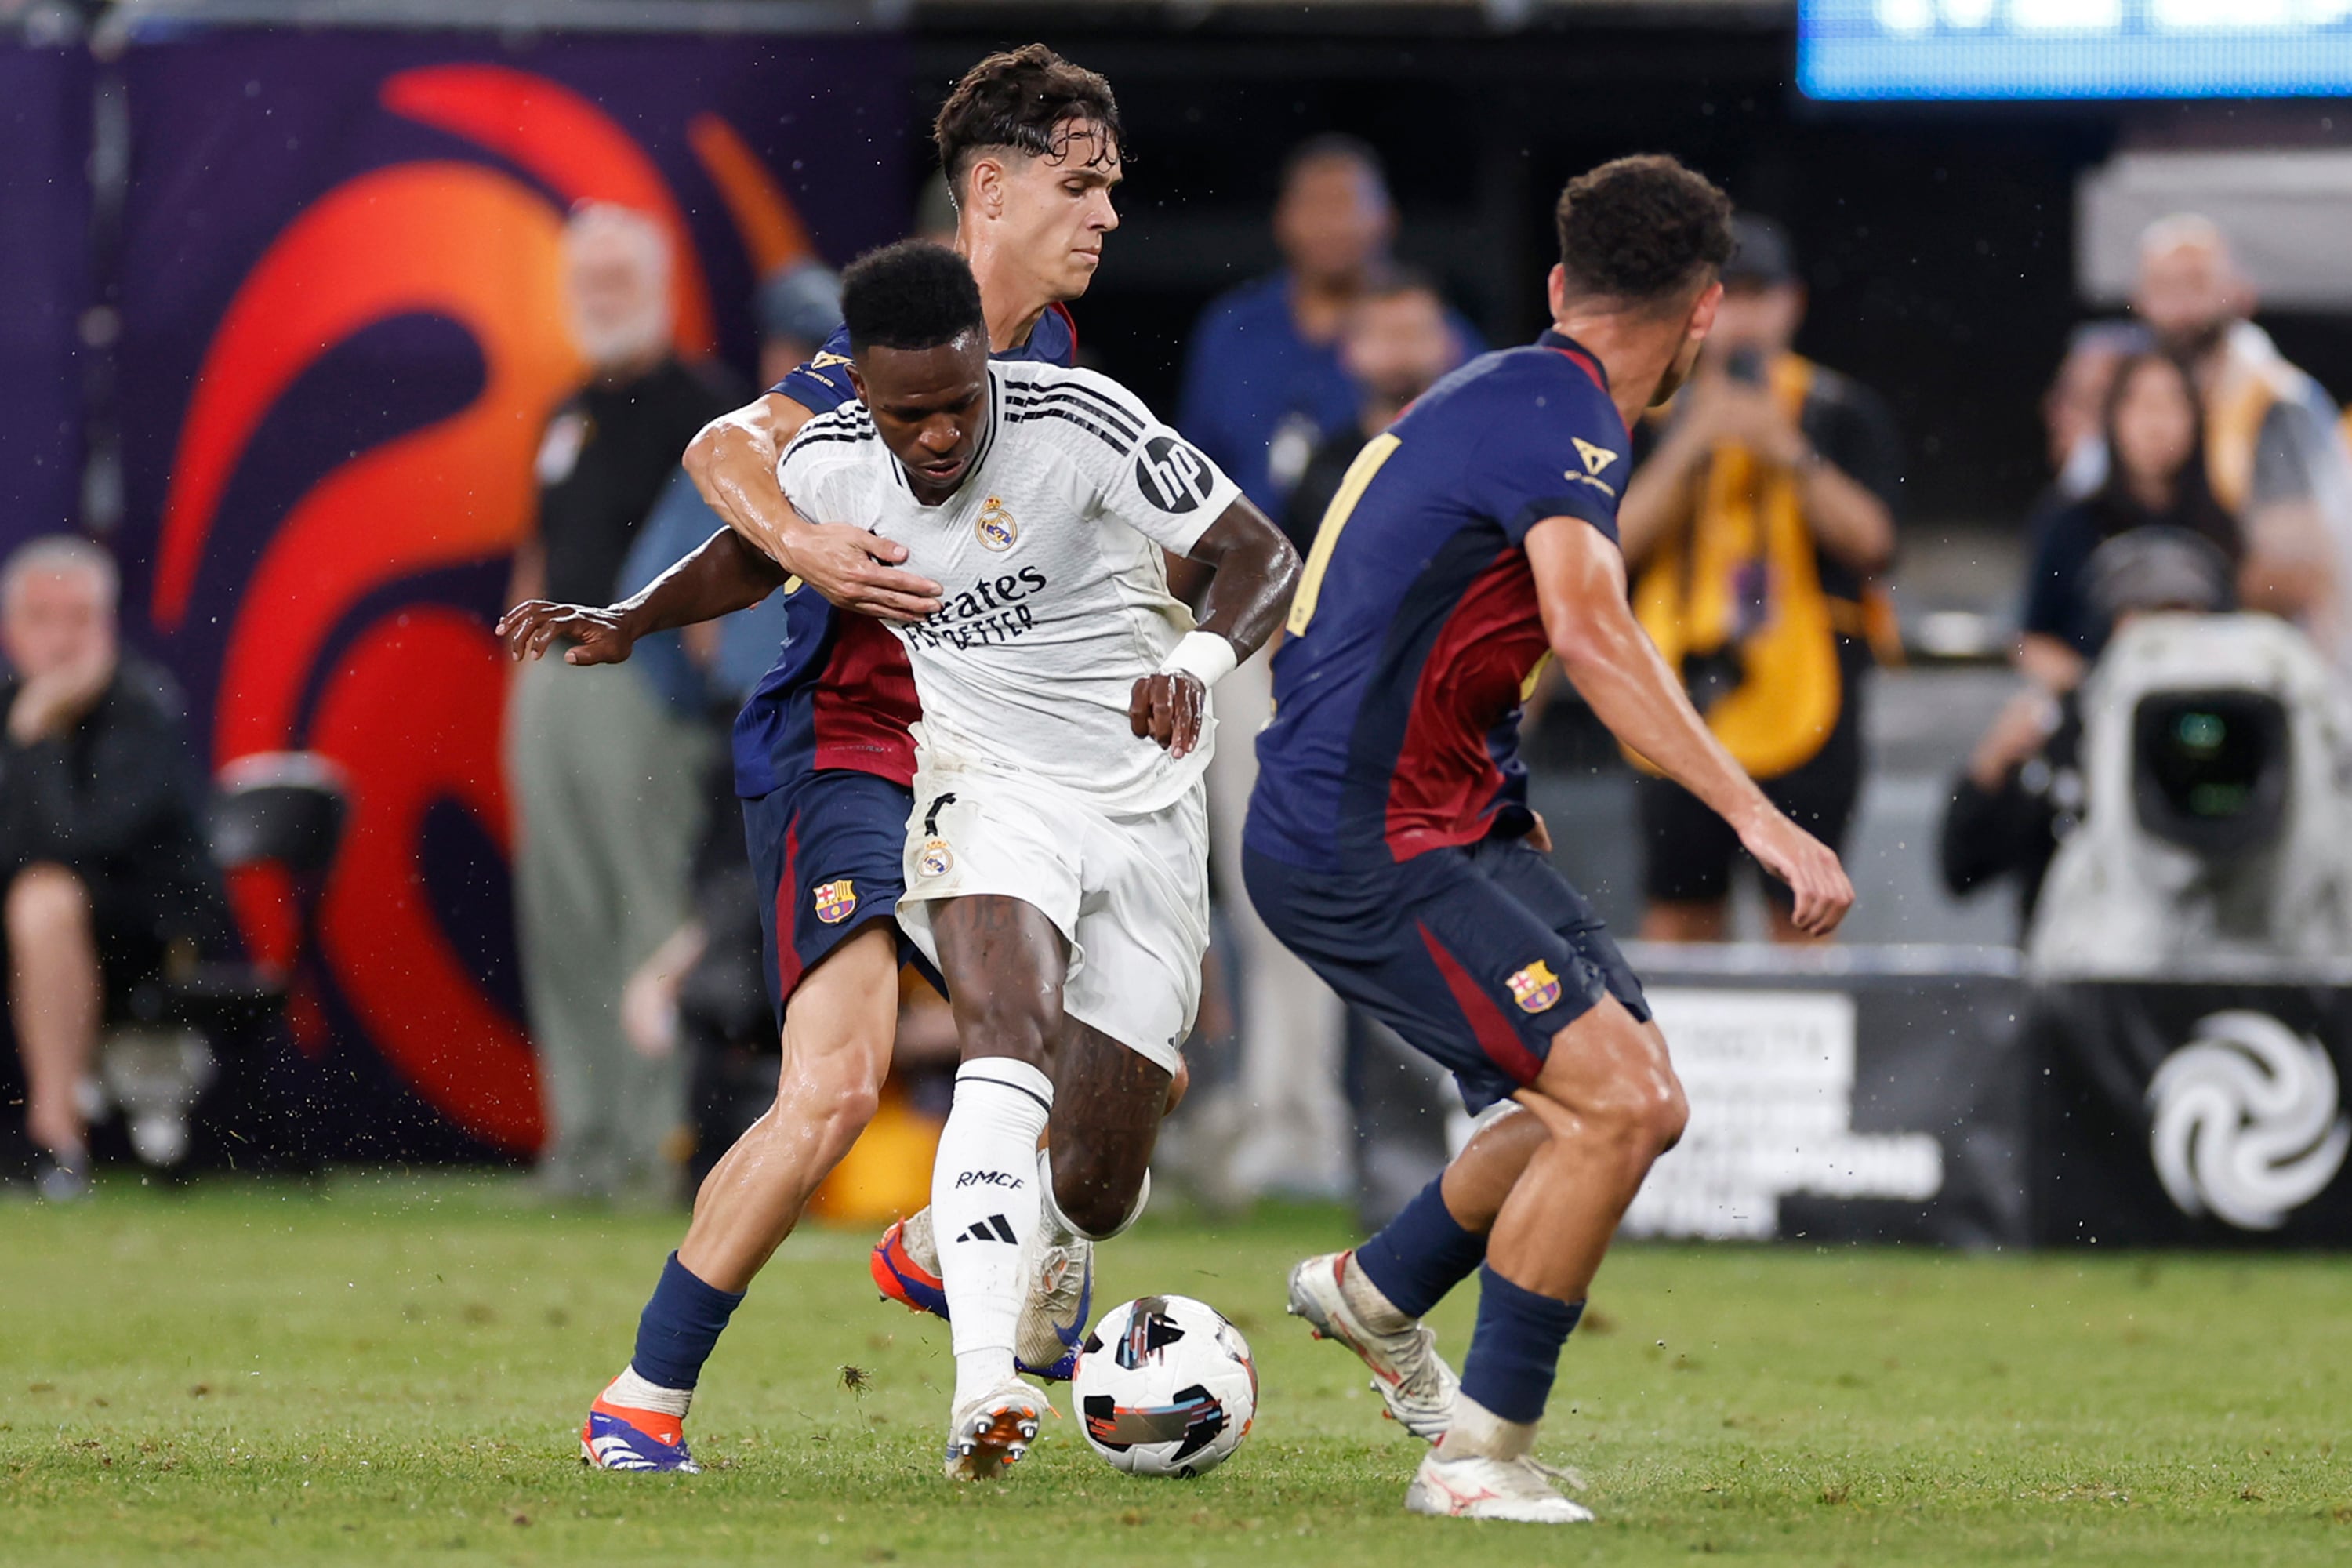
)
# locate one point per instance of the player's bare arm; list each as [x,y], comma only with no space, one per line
[724,574]
[1254,571]
[1580,586]
[733,463]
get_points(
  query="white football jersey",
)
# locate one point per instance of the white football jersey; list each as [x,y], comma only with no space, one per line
[1056,595]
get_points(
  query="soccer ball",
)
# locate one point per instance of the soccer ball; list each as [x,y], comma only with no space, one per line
[1165,1387]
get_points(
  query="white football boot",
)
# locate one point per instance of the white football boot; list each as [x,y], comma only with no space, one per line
[1408,1374]
[989,1436]
[1475,1487]
[1054,1317]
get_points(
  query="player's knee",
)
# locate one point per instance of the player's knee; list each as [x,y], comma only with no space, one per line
[848,1105]
[1640,1113]
[1671,1114]
[46,901]
[1654,1113]
[836,1093]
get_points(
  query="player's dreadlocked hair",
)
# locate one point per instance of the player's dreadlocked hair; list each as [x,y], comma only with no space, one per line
[1017,99]
[910,295]
[1641,229]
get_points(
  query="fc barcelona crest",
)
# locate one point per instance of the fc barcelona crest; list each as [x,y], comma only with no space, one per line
[1534,988]
[836,902]
[995,527]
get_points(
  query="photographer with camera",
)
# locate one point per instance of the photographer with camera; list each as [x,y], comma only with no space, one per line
[1755,525]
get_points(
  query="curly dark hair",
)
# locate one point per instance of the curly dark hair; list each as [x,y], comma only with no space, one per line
[1644,229]
[911,295]
[1018,99]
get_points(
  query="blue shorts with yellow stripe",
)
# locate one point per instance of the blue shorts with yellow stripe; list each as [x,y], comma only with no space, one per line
[1476,955]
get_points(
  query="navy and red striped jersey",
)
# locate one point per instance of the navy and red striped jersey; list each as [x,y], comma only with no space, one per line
[1415,630]
[840,694]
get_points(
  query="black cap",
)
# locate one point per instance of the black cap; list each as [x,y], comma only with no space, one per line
[1762,258]
[2156,567]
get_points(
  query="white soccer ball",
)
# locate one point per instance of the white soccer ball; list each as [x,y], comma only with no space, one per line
[1165,1387]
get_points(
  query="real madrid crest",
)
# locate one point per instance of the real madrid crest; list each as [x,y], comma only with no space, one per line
[995,527]
[936,859]
[1534,988]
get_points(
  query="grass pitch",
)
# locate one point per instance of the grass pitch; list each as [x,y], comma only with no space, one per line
[395,1372]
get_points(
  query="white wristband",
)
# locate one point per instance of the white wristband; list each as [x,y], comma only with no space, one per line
[1205,656]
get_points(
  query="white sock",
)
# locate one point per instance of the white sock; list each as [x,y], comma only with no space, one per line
[1477,1430]
[635,1393]
[985,1210]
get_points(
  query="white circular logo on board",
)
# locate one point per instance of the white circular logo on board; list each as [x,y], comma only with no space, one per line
[2248,1124]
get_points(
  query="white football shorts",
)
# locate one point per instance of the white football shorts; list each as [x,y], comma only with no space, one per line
[1129,892]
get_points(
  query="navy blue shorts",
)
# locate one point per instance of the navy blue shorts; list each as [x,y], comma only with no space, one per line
[1476,955]
[825,851]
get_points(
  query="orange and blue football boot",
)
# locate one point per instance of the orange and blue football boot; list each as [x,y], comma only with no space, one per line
[905,1267]
[616,1438]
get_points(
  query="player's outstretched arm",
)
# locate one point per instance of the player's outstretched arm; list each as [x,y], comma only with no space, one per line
[1580,585]
[1253,570]
[723,574]
[733,463]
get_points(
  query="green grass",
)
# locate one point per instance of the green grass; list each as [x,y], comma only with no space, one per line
[395,1372]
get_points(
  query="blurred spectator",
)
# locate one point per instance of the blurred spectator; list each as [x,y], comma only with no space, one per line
[607,777]
[1263,381]
[798,308]
[1287,1125]
[935,213]
[1394,346]
[2274,455]
[109,880]
[707,672]
[701,985]
[2073,411]
[2023,790]
[2153,433]
[1762,513]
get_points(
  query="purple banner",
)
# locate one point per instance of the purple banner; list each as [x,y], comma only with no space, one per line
[45,269]
[342,338]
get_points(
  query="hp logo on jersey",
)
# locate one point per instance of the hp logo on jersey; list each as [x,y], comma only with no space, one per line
[1171,475]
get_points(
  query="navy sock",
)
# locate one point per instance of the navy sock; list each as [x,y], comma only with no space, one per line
[680,1326]
[1514,1351]
[1420,1254]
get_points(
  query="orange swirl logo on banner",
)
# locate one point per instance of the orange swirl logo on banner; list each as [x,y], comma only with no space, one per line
[413,705]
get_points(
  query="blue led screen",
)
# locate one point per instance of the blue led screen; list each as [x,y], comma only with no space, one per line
[1898,49]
